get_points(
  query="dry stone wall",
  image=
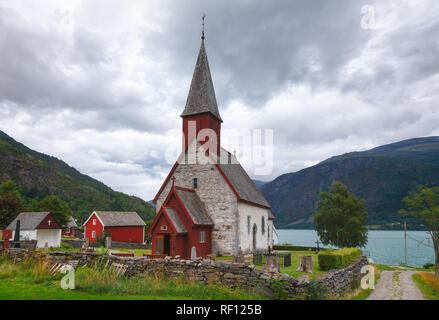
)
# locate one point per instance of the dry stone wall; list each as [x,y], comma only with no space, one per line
[234,275]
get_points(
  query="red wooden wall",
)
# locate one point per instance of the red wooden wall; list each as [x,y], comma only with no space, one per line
[126,234]
[89,228]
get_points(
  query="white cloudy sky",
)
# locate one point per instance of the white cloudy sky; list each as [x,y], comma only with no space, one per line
[100,84]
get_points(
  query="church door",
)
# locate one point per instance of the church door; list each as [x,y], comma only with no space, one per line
[255,230]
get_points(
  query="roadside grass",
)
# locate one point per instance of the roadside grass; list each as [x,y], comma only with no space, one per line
[384,267]
[428,283]
[32,280]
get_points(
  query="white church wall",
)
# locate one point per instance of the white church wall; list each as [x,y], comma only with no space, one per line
[51,236]
[26,235]
[246,233]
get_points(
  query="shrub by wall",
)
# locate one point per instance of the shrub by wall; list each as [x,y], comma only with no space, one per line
[337,259]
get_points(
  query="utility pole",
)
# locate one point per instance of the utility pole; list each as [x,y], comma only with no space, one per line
[405,241]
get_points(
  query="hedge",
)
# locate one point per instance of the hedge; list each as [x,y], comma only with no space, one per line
[294,248]
[337,259]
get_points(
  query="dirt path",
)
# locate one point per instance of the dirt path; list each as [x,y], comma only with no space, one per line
[396,285]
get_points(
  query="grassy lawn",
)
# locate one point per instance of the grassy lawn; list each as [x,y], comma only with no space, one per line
[428,284]
[137,252]
[32,281]
[295,263]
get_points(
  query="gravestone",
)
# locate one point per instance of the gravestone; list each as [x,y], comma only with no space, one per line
[46,247]
[272,264]
[239,258]
[108,242]
[306,264]
[193,253]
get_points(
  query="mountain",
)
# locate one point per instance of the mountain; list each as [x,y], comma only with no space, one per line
[382,176]
[259,183]
[38,175]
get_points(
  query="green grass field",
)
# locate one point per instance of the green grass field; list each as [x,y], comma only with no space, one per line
[32,281]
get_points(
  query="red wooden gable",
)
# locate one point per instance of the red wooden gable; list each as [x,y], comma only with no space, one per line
[49,222]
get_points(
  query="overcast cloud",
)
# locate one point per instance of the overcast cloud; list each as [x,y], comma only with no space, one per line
[101,84]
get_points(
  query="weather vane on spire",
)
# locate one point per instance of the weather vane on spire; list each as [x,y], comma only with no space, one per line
[202,34]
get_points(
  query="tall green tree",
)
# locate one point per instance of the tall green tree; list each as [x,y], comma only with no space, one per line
[423,204]
[340,218]
[11,203]
[60,209]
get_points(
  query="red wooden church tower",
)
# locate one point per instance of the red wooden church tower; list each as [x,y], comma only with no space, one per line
[182,221]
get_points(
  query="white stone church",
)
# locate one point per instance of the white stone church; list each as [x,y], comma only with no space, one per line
[208,200]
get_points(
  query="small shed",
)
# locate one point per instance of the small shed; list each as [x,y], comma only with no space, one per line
[40,226]
[120,226]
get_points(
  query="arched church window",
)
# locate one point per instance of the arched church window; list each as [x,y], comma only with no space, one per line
[263,225]
[195,183]
[248,224]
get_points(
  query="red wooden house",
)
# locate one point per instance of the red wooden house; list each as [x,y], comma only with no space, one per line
[120,226]
[182,223]
[71,230]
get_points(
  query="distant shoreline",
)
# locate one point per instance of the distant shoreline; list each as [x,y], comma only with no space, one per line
[369,228]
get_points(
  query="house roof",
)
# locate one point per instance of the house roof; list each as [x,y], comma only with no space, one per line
[71,223]
[194,206]
[119,218]
[178,224]
[28,220]
[201,98]
[241,181]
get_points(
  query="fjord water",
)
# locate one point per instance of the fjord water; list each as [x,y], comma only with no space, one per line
[384,247]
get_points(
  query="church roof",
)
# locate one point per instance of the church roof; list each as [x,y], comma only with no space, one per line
[118,218]
[194,206]
[201,98]
[241,181]
[28,220]
[173,215]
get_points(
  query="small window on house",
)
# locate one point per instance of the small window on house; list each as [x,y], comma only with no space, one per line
[195,183]
[93,234]
[94,222]
[164,228]
[202,236]
[263,225]
[248,224]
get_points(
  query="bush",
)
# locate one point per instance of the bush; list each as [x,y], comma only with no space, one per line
[337,259]
[316,291]
[428,265]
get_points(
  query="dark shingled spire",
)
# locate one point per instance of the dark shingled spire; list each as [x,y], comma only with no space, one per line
[201,97]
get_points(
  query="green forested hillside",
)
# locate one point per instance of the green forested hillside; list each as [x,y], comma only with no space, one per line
[38,175]
[382,176]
